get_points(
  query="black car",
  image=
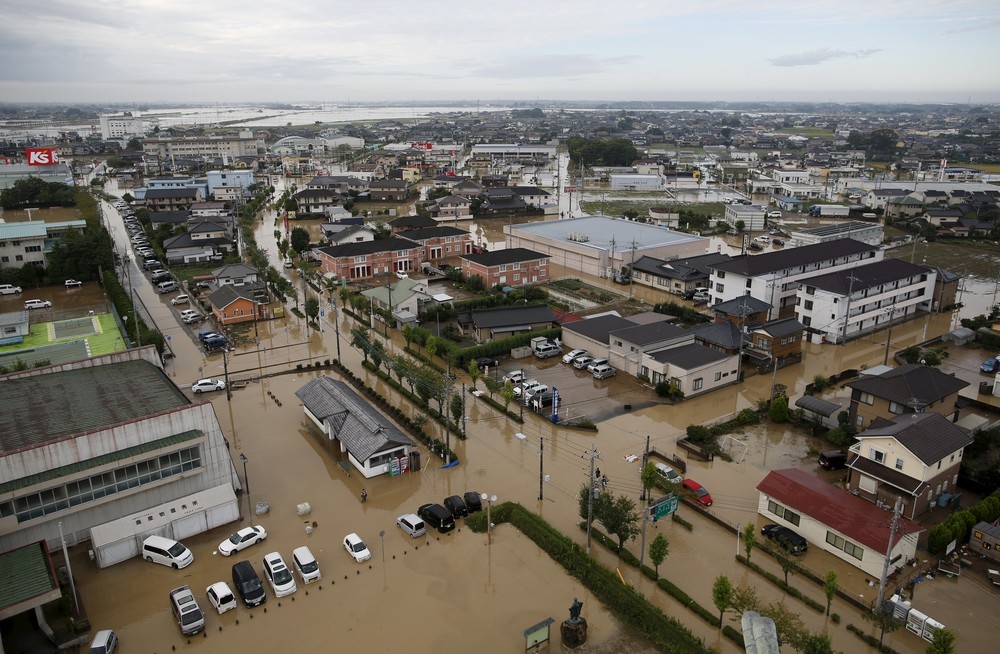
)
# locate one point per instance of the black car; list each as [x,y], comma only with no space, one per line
[437,516]
[248,584]
[456,505]
[473,502]
[486,362]
[785,536]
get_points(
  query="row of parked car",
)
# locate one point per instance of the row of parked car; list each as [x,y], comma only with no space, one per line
[598,367]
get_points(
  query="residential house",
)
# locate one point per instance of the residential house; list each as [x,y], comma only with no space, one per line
[403,223]
[371,258]
[354,430]
[910,388]
[502,200]
[338,234]
[448,181]
[836,521]
[441,242]
[751,215]
[501,322]
[234,304]
[236,274]
[316,200]
[777,341]
[405,298]
[210,210]
[848,303]
[594,333]
[745,311]
[204,241]
[451,207]
[172,199]
[722,335]
[775,277]
[679,276]
[627,345]
[157,218]
[509,267]
[692,369]
[534,196]
[496,180]
[879,198]
[985,540]
[388,190]
[945,288]
[467,189]
[914,457]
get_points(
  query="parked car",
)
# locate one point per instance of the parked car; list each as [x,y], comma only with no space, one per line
[73,283]
[306,565]
[487,362]
[595,363]
[242,539]
[990,366]
[669,475]
[189,316]
[473,501]
[165,551]
[221,597]
[697,491]
[356,548]
[774,214]
[203,385]
[756,246]
[437,516]
[701,297]
[573,354]
[603,372]
[401,274]
[582,362]
[150,264]
[526,386]
[105,642]
[183,298]
[37,304]
[282,581]
[762,239]
[833,459]
[411,525]
[456,505]
[186,611]
[514,377]
[206,334]
[215,343]
[777,241]
[10,289]
[548,350]
[248,584]
[534,392]
[786,537]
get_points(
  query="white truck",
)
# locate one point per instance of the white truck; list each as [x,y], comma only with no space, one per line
[829,211]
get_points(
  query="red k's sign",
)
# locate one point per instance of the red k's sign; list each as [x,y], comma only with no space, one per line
[42,156]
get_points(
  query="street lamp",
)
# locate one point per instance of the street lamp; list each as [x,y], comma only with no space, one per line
[489,499]
[381,536]
[246,480]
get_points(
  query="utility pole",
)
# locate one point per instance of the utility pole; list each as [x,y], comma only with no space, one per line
[590,500]
[631,270]
[645,460]
[847,315]
[896,512]
[225,368]
[541,475]
[464,435]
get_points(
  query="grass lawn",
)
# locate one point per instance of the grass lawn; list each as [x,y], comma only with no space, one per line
[986,168]
[808,132]
[618,206]
[106,341]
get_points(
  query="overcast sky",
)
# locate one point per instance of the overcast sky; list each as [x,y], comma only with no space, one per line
[221,51]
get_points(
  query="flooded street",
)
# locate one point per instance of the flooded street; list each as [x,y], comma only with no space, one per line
[457,592]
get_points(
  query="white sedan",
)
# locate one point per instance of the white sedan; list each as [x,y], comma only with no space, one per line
[572,354]
[73,283]
[242,539]
[203,385]
[356,548]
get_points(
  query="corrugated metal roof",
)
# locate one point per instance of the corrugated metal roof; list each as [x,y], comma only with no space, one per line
[33,229]
[97,461]
[817,405]
[25,573]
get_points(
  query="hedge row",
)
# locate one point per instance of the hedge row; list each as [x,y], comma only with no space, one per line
[871,640]
[123,305]
[780,583]
[959,525]
[494,348]
[438,417]
[628,605]
[434,444]
[498,406]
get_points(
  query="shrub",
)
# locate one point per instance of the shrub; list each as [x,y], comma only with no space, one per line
[779,410]
[780,583]
[836,618]
[748,417]
[820,383]
[698,434]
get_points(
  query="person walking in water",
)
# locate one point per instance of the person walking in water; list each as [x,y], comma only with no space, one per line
[364,496]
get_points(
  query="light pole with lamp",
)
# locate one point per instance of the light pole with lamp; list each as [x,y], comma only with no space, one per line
[489,499]
[246,480]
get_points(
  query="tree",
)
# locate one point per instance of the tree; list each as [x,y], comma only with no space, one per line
[779,410]
[377,352]
[457,408]
[817,644]
[359,339]
[492,386]
[300,239]
[740,225]
[658,551]
[943,642]
[648,476]
[507,393]
[785,558]
[407,334]
[722,595]
[618,516]
[830,587]
[312,308]
[749,539]
[133,144]
[431,346]
[473,371]
[884,622]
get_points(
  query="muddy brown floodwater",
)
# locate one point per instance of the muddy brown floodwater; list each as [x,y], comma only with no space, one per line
[457,592]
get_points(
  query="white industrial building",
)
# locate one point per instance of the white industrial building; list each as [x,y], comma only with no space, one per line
[775,277]
[752,216]
[599,245]
[632,182]
[320,145]
[245,144]
[870,233]
[89,442]
[121,126]
[514,151]
[850,302]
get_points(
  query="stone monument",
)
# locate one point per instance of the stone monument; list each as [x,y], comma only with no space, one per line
[574,630]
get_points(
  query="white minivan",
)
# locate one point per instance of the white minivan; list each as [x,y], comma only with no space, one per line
[157,549]
[306,565]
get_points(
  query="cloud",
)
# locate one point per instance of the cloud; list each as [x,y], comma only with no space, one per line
[820,56]
[547,65]
[989,24]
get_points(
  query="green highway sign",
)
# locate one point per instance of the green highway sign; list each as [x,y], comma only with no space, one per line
[664,506]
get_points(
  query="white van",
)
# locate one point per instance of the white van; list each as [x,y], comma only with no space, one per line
[167,287]
[306,565]
[411,525]
[157,549]
[595,364]
[105,642]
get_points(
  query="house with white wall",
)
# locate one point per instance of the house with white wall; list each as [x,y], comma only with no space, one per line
[692,369]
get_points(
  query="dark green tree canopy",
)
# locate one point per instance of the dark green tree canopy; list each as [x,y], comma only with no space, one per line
[35,192]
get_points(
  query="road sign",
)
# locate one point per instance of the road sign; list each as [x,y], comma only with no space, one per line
[569,189]
[664,506]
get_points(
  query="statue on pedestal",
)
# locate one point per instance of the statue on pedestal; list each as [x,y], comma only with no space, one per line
[574,630]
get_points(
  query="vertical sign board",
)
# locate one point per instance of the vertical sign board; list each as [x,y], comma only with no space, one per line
[42,156]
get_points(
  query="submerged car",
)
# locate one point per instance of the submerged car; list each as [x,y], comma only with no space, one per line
[279,575]
[990,366]
[356,548]
[242,539]
[203,385]
[785,537]
[697,491]
[221,597]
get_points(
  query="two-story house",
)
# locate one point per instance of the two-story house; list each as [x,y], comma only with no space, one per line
[204,241]
[370,258]
[509,267]
[317,200]
[679,276]
[403,223]
[441,242]
[451,207]
[172,199]
[778,341]
[388,190]
[907,389]
[915,457]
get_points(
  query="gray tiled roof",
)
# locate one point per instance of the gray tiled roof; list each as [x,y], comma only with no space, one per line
[724,334]
[743,306]
[505,316]
[768,262]
[355,423]
[432,232]
[930,436]
[910,383]
[689,356]
[653,332]
[598,328]
[49,406]
[503,257]
[783,327]
[369,247]
[858,278]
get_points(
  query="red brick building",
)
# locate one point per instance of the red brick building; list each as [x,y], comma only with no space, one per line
[371,258]
[510,267]
[441,242]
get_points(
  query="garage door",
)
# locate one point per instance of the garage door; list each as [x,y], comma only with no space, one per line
[113,553]
[190,525]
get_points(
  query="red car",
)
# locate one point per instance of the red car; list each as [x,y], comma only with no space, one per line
[698,492]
